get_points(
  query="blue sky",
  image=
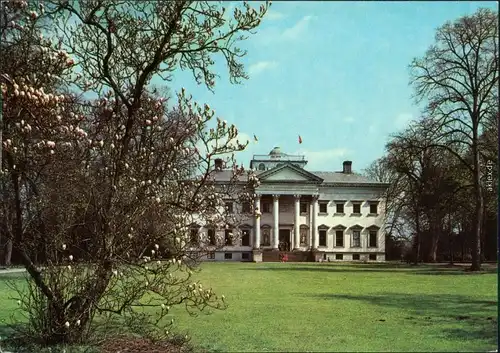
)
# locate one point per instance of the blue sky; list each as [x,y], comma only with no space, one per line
[334,72]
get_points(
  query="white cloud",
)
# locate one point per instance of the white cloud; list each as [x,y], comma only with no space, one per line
[403,120]
[298,29]
[273,15]
[349,119]
[243,138]
[324,160]
[242,157]
[260,66]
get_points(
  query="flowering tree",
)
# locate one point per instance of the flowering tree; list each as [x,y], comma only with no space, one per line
[106,189]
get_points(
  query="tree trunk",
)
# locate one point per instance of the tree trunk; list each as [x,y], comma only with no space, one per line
[8,252]
[417,239]
[463,251]
[478,214]
[450,239]
[434,243]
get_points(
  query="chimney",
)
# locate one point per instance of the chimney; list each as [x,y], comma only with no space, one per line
[347,167]
[218,164]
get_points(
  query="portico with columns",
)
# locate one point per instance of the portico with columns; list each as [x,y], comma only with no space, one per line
[281,220]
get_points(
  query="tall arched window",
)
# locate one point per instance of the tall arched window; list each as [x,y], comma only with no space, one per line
[262,166]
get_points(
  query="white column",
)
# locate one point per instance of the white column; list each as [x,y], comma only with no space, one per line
[315,240]
[256,222]
[296,222]
[310,234]
[276,218]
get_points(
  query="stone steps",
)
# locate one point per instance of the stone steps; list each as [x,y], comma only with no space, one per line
[293,256]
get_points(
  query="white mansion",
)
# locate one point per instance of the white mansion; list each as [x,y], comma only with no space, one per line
[311,216]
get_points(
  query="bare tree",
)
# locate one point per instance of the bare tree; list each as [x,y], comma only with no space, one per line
[458,78]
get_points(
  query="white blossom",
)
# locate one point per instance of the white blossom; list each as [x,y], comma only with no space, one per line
[66,324]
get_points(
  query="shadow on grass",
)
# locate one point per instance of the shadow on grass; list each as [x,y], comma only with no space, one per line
[383,268]
[477,318]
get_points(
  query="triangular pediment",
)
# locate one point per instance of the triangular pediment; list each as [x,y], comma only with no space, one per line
[289,172]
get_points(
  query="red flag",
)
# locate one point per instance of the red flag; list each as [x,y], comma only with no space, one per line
[300,139]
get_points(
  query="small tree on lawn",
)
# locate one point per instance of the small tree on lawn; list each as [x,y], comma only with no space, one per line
[109,187]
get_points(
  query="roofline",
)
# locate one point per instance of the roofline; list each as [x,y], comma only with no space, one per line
[348,184]
[299,170]
[370,185]
[276,160]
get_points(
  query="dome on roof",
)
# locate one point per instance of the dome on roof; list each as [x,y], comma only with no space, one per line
[275,151]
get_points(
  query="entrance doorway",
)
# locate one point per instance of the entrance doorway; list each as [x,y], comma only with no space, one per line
[284,240]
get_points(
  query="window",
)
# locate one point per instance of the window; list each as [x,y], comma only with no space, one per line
[211,255]
[373,208]
[356,208]
[303,236]
[245,256]
[323,207]
[279,164]
[356,239]
[193,236]
[229,206]
[211,236]
[228,256]
[262,166]
[372,241]
[228,237]
[355,256]
[372,257]
[322,237]
[340,208]
[339,238]
[245,207]
[245,237]
[266,237]
[303,207]
[339,257]
[266,207]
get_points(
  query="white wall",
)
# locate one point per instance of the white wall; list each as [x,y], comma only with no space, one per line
[330,219]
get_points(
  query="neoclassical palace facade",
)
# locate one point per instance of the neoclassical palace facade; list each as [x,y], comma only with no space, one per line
[311,216]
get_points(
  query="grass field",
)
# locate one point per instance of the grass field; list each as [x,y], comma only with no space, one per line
[341,307]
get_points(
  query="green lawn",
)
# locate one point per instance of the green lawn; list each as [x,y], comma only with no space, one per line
[341,307]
